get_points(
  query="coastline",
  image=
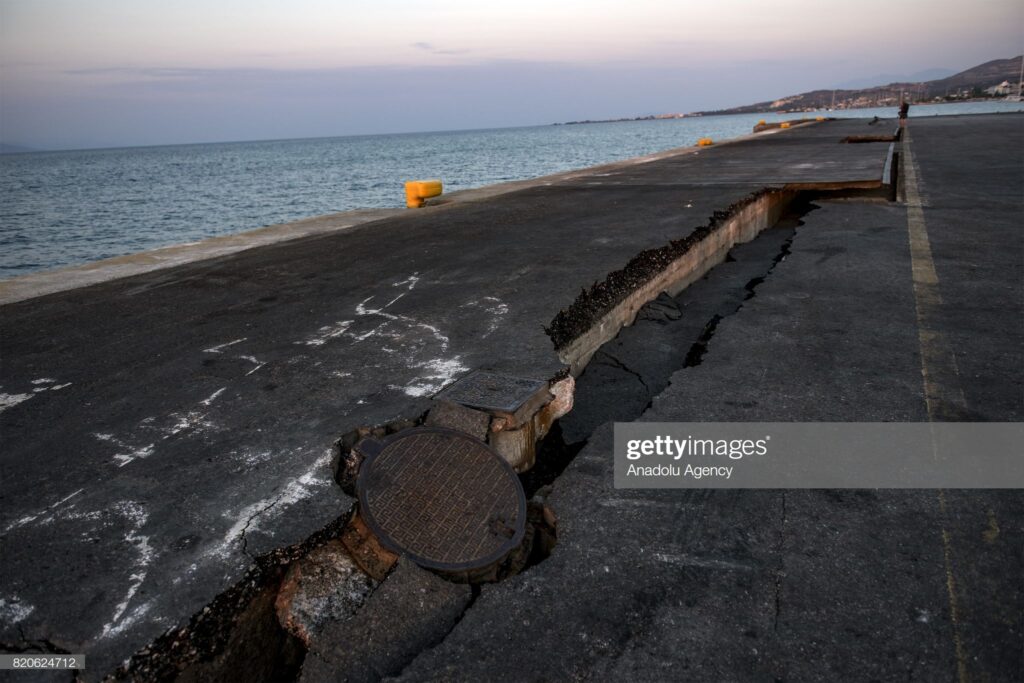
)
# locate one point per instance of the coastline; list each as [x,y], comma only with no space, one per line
[855,112]
[42,283]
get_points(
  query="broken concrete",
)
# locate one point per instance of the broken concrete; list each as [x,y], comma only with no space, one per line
[454,416]
[325,585]
[796,585]
[409,613]
[264,357]
[366,550]
[511,414]
[670,333]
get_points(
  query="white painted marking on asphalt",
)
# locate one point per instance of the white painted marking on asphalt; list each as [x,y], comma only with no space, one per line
[133,512]
[254,361]
[412,281]
[54,387]
[13,611]
[362,310]
[327,332]
[440,372]
[130,454]
[248,518]
[219,348]
[192,421]
[256,458]
[213,396]
[682,560]
[494,307]
[27,519]
[11,400]
[31,518]
[393,300]
[137,517]
[44,380]
[66,498]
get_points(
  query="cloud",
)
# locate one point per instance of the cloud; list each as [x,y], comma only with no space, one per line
[429,47]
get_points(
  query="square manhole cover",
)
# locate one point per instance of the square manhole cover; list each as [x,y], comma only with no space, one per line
[492,391]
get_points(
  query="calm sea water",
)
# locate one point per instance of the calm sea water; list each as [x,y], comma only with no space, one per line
[65,208]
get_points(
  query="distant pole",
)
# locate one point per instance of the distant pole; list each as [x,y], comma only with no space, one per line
[1021,81]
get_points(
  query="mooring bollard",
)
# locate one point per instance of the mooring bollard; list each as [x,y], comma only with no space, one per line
[418,190]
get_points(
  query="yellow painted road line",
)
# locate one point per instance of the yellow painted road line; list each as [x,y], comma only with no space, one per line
[942,391]
[943,394]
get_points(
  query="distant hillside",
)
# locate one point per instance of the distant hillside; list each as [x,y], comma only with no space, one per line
[916,77]
[966,84]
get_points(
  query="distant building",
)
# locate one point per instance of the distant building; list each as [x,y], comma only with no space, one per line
[1003,88]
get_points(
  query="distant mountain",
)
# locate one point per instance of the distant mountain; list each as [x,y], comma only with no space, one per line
[918,77]
[966,84]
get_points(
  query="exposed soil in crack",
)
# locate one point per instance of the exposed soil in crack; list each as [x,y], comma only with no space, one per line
[236,636]
[553,456]
[670,334]
[603,296]
[789,222]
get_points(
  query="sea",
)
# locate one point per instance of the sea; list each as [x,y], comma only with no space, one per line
[72,207]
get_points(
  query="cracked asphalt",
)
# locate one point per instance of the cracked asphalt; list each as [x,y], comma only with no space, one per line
[808,585]
[162,430]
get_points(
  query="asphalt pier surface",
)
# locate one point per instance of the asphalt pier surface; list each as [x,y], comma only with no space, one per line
[162,431]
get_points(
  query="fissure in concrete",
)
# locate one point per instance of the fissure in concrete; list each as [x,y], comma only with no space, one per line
[679,306]
[674,332]
[615,301]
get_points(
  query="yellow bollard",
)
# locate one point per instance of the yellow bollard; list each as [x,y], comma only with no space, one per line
[704,142]
[784,124]
[819,118]
[418,190]
[761,122]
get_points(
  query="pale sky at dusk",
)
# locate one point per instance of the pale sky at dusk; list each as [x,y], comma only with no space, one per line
[126,72]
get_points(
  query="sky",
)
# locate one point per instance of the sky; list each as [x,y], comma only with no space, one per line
[102,73]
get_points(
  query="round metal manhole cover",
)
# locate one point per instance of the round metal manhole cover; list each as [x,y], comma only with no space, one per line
[442,498]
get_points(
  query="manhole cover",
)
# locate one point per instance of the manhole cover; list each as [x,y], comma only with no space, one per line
[444,499]
[492,391]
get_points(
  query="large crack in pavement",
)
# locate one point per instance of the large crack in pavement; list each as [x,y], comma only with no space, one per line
[626,373]
[618,384]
